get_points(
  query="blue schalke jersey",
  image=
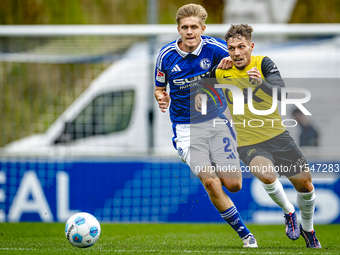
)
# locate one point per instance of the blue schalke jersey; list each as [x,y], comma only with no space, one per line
[183,71]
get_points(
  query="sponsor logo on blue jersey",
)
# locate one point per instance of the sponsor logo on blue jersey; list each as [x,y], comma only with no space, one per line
[183,71]
[189,80]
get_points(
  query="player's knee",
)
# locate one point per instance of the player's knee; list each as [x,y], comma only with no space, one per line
[305,186]
[212,184]
[234,188]
[233,185]
[267,180]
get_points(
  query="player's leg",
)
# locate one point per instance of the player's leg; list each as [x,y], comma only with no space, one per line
[230,175]
[224,155]
[232,216]
[213,186]
[223,152]
[263,168]
[291,157]
[306,199]
[225,206]
[193,149]
[260,161]
[275,190]
[232,184]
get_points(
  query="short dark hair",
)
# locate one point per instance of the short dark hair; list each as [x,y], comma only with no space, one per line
[241,30]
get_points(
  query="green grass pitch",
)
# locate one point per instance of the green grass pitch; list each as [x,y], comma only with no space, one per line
[49,238]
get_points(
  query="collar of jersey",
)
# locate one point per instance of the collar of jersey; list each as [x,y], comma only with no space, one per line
[196,52]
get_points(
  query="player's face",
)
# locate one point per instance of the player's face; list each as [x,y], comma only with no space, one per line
[190,30]
[240,51]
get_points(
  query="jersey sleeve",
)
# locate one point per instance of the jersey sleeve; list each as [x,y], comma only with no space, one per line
[160,78]
[160,72]
[272,77]
[221,49]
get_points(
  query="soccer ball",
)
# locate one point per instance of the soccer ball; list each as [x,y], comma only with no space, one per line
[82,230]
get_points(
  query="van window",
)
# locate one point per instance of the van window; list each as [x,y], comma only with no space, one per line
[107,113]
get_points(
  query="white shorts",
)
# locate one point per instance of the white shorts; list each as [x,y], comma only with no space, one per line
[210,143]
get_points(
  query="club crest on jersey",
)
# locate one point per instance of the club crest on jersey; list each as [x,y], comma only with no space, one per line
[205,63]
[180,151]
[160,76]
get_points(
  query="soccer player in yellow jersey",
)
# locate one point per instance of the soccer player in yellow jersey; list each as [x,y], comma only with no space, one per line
[267,148]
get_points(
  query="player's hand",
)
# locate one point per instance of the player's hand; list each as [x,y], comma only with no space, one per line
[198,102]
[164,101]
[226,63]
[255,74]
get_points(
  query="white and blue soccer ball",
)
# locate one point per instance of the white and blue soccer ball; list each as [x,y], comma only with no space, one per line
[82,230]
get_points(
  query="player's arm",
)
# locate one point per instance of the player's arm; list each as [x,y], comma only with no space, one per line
[162,98]
[272,77]
[202,88]
[160,93]
[225,64]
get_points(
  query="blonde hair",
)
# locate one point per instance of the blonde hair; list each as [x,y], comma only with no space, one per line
[190,10]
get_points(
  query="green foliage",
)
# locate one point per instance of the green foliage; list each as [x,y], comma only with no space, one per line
[168,9]
[96,12]
[72,12]
[316,11]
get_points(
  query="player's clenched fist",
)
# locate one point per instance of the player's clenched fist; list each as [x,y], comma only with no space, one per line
[163,101]
[198,102]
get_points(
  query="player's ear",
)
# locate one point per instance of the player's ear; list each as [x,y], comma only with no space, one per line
[203,29]
[178,29]
[252,46]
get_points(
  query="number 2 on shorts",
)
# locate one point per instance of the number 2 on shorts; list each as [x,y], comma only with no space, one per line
[228,143]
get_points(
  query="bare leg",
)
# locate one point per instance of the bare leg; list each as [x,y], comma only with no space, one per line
[224,205]
[213,186]
[231,180]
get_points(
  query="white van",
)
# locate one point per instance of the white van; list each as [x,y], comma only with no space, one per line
[110,118]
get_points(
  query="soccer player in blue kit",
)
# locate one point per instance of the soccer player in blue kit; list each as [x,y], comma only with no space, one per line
[200,144]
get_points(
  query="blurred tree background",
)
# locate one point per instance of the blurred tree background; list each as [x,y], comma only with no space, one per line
[316,11]
[97,11]
[135,12]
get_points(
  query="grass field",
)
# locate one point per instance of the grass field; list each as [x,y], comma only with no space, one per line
[49,238]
